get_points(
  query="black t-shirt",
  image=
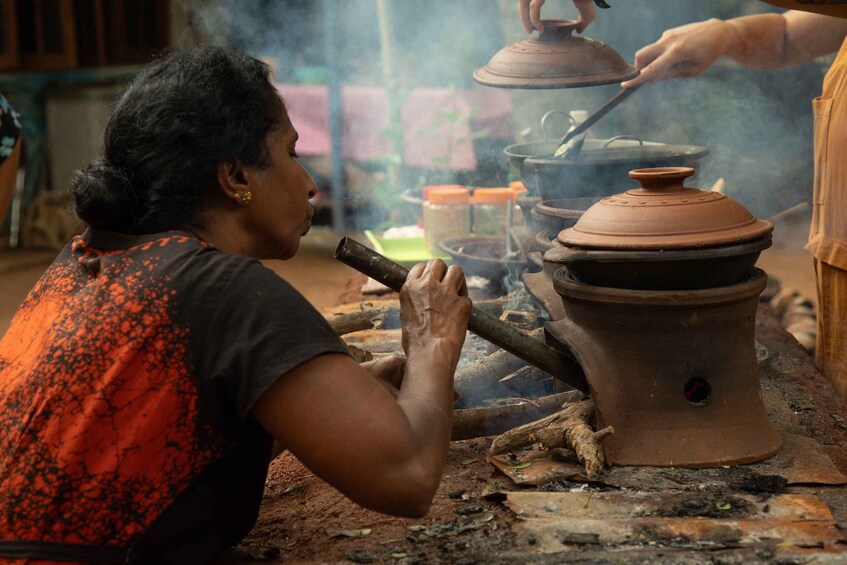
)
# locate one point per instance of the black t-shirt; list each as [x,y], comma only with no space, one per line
[126,383]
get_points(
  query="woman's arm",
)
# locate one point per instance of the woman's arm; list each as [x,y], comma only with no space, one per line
[763,41]
[384,453]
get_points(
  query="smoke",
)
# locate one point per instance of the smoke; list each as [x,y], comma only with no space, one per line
[757,125]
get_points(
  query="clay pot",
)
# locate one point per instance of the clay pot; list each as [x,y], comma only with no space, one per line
[664,214]
[557,215]
[526,202]
[662,236]
[546,240]
[555,59]
[676,269]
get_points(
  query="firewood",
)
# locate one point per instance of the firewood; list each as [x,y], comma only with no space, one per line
[366,319]
[365,337]
[567,428]
[531,381]
[359,355]
[376,341]
[353,307]
[481,380]
[521,319]
[378,314]
[481,422]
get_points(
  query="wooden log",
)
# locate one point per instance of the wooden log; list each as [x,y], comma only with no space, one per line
[481,380]
[481,422]
[367,319]
[567,428]
[365,337]
[359,355]
[352,307]
[493,306]
[357,316]
[376,341]
[531,382]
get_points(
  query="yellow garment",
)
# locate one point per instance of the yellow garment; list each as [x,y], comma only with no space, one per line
[831,346]
[837,8]
[828,236]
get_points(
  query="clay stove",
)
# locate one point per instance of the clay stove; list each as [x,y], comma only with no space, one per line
[673,370]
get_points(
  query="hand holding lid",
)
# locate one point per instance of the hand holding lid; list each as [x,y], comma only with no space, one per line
[555,59]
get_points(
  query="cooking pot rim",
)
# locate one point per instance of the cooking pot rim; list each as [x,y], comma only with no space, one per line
[571,289]
[529,151]
[570,254]
[664,152]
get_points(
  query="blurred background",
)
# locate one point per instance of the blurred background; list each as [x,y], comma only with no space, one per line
[382,94]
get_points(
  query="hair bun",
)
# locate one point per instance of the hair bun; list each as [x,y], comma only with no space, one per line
[104,196]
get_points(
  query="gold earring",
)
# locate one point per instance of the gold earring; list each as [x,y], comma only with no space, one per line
[243,197]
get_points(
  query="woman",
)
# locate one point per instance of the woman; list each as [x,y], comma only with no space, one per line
[148,373]
[769,41]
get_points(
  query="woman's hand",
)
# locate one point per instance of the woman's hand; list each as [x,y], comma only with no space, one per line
[388,371]
[530,11]
[684,51]
[434,307]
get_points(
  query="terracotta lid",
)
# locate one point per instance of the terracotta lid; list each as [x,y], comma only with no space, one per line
[555,59]
[664,214]
[492,195]
[457,195]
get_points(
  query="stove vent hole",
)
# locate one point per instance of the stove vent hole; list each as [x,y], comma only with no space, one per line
[698,391]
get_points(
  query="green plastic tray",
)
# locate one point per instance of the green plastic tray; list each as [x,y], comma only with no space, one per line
[407,251]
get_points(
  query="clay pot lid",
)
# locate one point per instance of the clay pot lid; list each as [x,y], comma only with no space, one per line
[555,59]
[664,214]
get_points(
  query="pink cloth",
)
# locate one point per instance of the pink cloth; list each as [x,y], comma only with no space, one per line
[437,123]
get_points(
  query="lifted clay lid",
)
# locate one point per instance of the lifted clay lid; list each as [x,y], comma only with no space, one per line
[664,214]
[555,59]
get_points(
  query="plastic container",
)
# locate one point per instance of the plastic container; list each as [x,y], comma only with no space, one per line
[492,210]
[446,215]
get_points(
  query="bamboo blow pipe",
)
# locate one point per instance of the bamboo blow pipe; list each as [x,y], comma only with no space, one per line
[483,324]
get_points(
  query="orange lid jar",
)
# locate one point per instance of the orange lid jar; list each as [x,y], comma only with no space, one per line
[446,215]
[492,210]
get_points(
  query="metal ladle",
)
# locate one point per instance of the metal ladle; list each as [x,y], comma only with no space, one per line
[571,143]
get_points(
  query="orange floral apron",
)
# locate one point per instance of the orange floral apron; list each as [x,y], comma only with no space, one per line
[828,236]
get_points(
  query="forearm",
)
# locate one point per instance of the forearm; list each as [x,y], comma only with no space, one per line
[758,42]
[426,399]
[770,41]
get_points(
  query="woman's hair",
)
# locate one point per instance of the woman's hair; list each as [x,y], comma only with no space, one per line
[179,119]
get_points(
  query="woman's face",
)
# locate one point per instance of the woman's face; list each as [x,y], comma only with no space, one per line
[280,212]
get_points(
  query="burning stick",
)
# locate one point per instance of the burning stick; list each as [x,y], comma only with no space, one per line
[567,428]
